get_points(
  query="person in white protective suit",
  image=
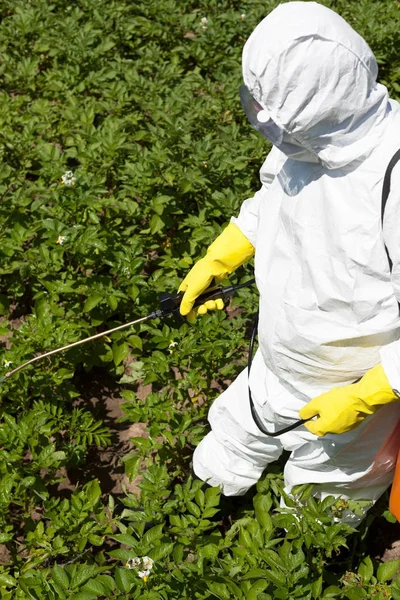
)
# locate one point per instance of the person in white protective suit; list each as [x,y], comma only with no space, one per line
[329,312]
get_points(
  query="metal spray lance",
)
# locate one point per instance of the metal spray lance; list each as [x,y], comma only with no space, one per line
[169,303]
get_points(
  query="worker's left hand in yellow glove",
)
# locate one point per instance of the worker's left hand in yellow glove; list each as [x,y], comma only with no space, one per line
[230,250]
[343,408]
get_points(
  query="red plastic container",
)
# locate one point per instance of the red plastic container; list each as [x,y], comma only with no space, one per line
[394,501]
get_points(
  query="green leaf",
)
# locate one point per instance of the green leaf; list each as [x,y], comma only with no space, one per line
[219,590]
[153,534]
[136,342]
[60,577]
[82,574]
[212,497]
[84,596]
[28,584]
[125,539]
[245,539]
[200,498]
[112,302]
[366,569]
[93,492]
[7,580]
[389,517]
[332,592]
[6,485]
[107,582]
[178,553]
[156,224]
[210,512]
[91,302]
[276,577]
[255,574]
[158,203]
[132,466]
[356,593]
[125,579]
[395,589]
[209,551]
[122,554]
[159,552]
[316,588]
[58,456]
[95,587]
[193,509]
[257,587]
[96,540]
[262,505]
[387,570]
[120,352]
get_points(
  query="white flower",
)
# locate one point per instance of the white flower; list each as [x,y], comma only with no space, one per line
[133,563]
[68,178]
[147,563]
[243,16]
[61,239]
[7,363]
[143,574]
[204,21]
[204,28]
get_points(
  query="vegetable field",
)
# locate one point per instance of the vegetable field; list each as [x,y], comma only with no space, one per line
[124,152]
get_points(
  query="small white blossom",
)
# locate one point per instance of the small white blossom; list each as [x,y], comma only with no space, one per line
[204,21]
[133,563]
[204,28]
[61,239]
[243,16]
[7,363]
[145,564]
[68,178]
[144,574]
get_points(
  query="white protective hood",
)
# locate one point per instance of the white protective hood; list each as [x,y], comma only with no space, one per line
[317,78]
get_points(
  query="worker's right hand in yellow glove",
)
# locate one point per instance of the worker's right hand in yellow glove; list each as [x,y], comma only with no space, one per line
[230,250]
[343,408]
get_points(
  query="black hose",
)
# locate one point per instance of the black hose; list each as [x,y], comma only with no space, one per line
[254,413]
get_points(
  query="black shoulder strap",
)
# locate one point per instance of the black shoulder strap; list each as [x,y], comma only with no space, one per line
[386,191]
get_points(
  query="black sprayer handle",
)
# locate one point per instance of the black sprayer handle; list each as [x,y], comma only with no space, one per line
[171,302]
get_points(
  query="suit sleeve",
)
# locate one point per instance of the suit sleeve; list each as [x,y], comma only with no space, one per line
[390,354]
[247,221]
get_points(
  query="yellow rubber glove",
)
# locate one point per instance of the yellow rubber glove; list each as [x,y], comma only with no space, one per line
[230,250]
[343,408]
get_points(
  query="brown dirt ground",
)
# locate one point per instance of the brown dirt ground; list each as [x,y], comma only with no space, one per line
[101,396]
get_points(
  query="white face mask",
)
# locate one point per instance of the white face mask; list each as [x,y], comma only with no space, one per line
[260,119]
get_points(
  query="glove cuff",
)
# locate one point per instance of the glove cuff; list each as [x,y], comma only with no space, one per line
[230,249]
[375,388]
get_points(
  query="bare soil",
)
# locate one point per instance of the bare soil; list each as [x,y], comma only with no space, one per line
[101,395]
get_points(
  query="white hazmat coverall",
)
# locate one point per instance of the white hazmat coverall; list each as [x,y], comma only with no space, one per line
[328,301]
